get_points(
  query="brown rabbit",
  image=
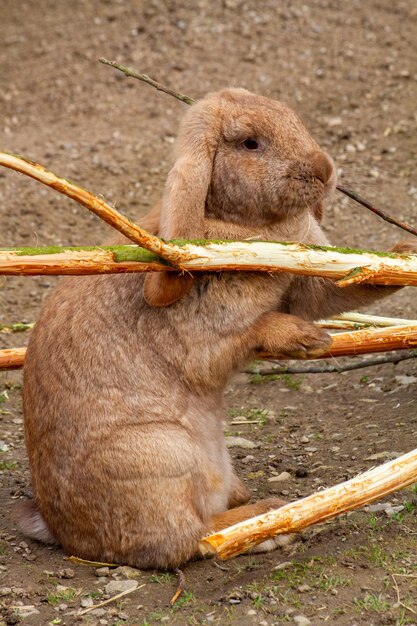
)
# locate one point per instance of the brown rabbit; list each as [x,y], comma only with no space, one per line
[123,400]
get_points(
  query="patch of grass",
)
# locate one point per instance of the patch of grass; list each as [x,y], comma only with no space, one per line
[66,595]
[372,602]
[4,396]
[257,416]
[162,579]
[315,572]
[260,379]
[95,595]
[8,465]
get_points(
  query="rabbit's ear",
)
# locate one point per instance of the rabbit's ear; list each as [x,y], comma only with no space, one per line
[183,204]
[164,288]
[182,215]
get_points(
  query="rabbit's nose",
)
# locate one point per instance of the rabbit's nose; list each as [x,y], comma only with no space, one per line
[322,166]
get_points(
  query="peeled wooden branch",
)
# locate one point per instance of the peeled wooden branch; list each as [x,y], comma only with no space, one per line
[12,359]
[343,344]
[355,321]
[294,517]
[94,204]
[337,263]
[373,340]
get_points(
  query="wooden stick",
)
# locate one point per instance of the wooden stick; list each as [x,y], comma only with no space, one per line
[372,485]
[112,599]
[12,359]
[373,340]
[343,344]
[355,321]
[96,205]
[146,79]
[385,216]
[331,262]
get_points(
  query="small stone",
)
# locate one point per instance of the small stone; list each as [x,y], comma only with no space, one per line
[117,586]
[240,442]
[86,603]
[406,380]
[301,472]
[281,477]
[334,121]
[62,607]
[102,571]
[376,508]
[304,588]
[393,510]
[248,458]
[301,620]
[98,612]
[5,591]
[126,570]
[282,565]
[304,439]
[310,449]
[251,612]
[125,616]
[66,573]
[378,456]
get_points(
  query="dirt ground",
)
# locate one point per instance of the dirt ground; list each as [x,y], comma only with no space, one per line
[350,70]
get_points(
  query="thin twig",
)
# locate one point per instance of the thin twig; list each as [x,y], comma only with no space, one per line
[146,79]
[408,608]
[181,586]
[79,561]
[96,205]
[324,368]
[385,216]
[116,597]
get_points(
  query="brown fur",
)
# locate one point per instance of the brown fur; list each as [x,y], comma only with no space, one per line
[123,401]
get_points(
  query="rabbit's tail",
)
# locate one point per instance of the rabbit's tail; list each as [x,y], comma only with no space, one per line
[31,523]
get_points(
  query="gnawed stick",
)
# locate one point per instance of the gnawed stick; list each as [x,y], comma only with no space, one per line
[355,321]
[202,256]
[343,344]
[373,340]
[12,359]
[320,506]
[96,205]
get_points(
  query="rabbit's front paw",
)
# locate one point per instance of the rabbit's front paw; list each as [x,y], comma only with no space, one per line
[308,340]
[291,336]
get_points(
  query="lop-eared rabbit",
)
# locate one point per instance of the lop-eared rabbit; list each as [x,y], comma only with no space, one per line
[124,374]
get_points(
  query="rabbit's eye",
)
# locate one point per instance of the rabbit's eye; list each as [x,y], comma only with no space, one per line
[251,144]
